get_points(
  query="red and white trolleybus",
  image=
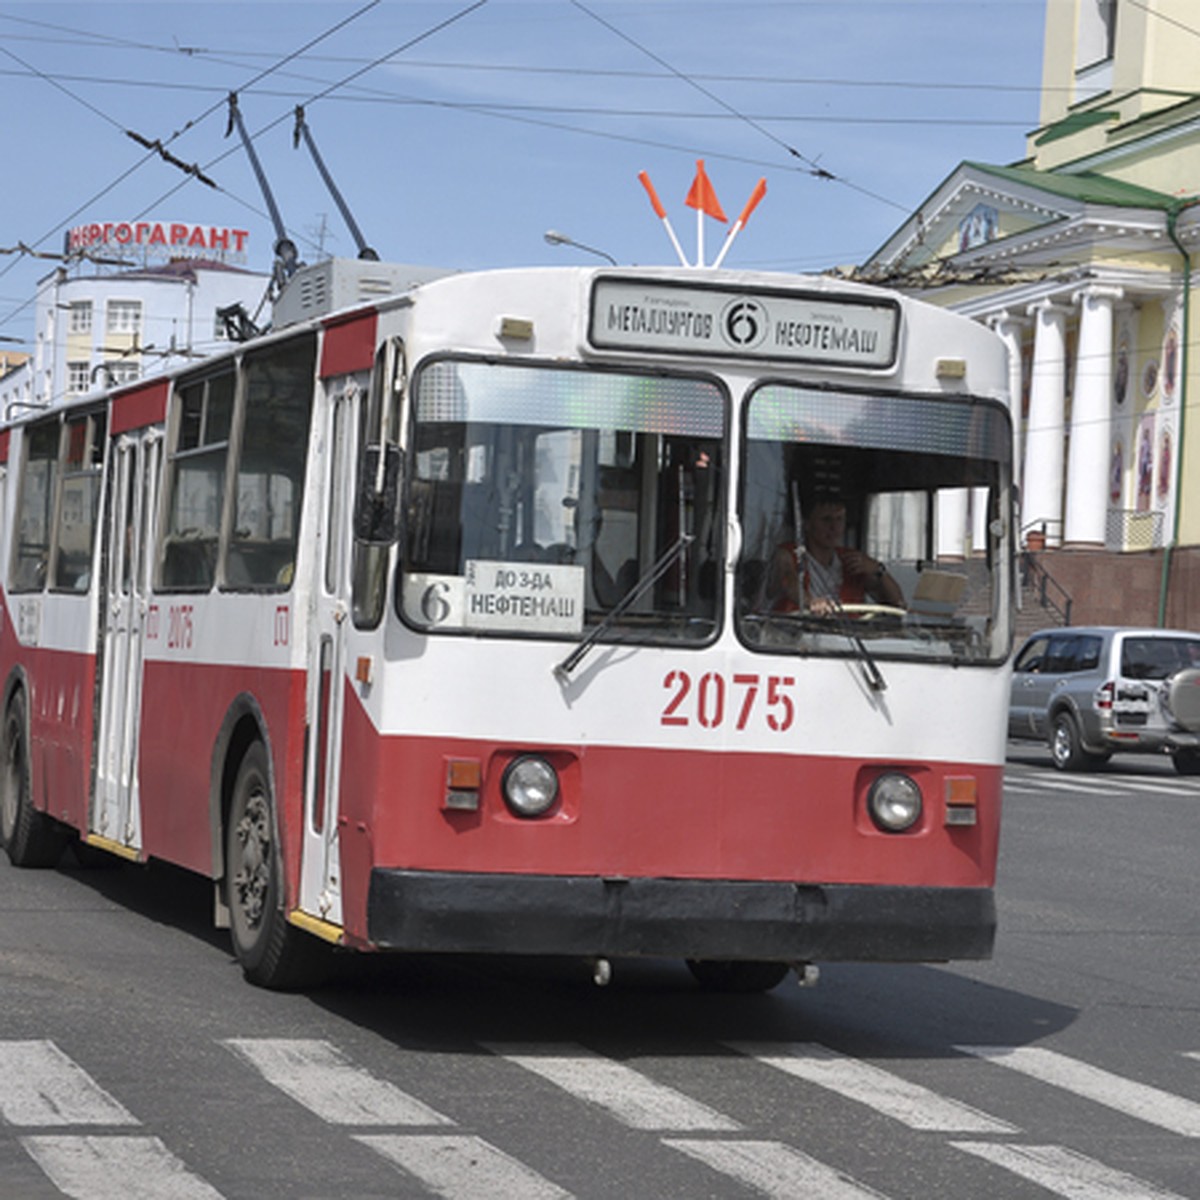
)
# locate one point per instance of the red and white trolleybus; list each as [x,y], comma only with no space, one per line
[444,623]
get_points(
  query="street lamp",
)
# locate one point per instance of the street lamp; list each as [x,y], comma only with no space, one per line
[560,239]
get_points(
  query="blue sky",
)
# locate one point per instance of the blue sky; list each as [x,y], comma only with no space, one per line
[515,117]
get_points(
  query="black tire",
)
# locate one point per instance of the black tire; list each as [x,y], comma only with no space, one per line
[724,975]
[31,838]
[1187,762]
[1066,749]
[272,953]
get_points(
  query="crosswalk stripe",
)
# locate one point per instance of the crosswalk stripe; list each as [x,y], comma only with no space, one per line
[115,1168]
[910,1103]
[41,1086]
[626,1094]
[1126,1096]
[461,1167]
[774,1169]
[316,1075]
[1092,785]
[1066,1172]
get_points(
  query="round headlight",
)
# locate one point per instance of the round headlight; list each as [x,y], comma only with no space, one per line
[530,786]
[894,802]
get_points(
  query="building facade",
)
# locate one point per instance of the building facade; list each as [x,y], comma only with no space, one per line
[95,325]
[1082,256]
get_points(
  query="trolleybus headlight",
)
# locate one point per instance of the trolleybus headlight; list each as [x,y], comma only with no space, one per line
[894,802]
[530,786]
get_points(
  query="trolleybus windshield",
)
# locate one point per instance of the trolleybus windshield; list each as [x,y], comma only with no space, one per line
[919,487]
[537,497]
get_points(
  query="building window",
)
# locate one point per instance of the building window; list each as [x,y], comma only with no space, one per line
[81,316]
[78,380]
[124,316]
[120,371]
[1096,33]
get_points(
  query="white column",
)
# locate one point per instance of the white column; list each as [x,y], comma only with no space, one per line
[1041,496]
[1009,327]
[1091,420]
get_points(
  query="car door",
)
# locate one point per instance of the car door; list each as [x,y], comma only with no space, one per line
[1026,685]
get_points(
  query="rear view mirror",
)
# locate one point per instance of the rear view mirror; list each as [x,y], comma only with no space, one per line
[377,506]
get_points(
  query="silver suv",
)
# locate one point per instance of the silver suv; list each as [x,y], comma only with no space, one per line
[1090,691]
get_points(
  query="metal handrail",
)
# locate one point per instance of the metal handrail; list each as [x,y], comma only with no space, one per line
[1050,593]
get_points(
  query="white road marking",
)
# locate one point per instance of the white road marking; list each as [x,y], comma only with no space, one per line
[1067,1173]
[1093,785]
[116,1168]
[910,1103]
[624,1093]
[774,1169]
[461,1167]
[1116,1092]
[315,1074]
[41,1086]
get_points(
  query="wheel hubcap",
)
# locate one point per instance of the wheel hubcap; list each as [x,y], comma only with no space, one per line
[253,876]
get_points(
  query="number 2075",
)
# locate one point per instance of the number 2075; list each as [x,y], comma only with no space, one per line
[712,700]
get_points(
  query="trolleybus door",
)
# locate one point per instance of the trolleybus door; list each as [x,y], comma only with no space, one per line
[133,490]
[320,873]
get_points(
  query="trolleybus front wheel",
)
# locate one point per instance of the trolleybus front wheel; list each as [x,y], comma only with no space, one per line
[725,975]
[272,952]
[31,838]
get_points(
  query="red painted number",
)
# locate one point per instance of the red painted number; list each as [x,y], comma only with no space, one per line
[751,698]
[179,627]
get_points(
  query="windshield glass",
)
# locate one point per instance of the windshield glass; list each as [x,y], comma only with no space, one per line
[538,498]
[875,521]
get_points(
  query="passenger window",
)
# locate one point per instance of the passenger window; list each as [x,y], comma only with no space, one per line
[83,458]
[1088,654]
[196,482]
[35,509]
[270,467]
[1060,658]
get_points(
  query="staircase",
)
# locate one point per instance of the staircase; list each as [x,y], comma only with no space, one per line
[1044,601]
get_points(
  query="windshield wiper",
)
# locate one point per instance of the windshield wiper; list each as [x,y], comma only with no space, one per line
[866,660]
[653,574]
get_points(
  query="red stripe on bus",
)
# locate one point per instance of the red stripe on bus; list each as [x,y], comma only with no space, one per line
[141,407]
[349,344]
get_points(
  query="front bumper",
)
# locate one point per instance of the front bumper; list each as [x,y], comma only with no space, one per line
[676,918]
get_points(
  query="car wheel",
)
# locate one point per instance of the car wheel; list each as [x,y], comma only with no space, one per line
[1066,751]
[273,953]
[31,838]
[720,975]
[1187,762]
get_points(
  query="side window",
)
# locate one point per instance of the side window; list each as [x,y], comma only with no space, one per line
[196,482]
[1087,656]
[1033,657]
[270,466]
[35,509]
[380,423]
[1060,657]
[82,460]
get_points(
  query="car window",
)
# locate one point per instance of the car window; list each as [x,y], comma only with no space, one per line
[1032,655]
[1157,657]
[1060,657]
[1087,652]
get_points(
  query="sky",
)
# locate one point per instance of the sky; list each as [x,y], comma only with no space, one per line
[460,131]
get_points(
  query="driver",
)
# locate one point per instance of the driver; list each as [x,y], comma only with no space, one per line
[823,575]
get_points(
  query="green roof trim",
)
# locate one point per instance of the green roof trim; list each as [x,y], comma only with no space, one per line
[1086,187]
[1074,123]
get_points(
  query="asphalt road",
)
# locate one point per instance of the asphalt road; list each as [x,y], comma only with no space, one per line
[134,1061]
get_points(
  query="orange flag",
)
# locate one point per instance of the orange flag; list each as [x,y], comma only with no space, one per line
[702,196]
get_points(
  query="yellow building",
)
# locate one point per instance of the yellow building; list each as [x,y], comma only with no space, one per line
[1082,257]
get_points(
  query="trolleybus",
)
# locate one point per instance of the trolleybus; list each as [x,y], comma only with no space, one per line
[442,623]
